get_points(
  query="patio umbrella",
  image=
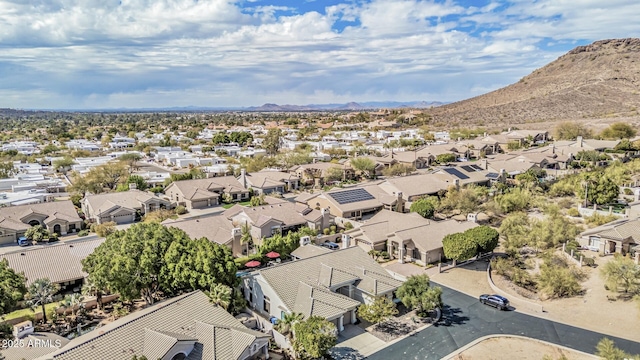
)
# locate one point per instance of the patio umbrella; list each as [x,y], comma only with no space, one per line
[252,264]
[272,255]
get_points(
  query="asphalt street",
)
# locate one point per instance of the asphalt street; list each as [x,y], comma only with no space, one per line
[470,320]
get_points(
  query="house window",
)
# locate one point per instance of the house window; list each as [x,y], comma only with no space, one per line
[72,227]
[266,305]
[275,230]
[234,196]
[594,241]
[282,313]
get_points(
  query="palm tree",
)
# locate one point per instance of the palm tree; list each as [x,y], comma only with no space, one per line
[220,295]
[91,288]
[285,325]
[41,293]
[72,301]
[246,238]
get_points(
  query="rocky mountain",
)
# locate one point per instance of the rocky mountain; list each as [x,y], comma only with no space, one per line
[352,106]
[600,80]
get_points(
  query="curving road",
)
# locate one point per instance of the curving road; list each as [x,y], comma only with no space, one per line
[471,320]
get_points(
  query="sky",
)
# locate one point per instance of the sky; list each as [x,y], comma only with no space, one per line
[101,54]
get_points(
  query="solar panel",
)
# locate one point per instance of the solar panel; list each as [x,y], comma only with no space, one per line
[467,168]
[351,196]
[478,168]
[493,175]
[456,173]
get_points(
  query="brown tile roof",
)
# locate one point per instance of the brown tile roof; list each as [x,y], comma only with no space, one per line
[59,262]
[184,318]
[618,230]
[205,188]
[108,202]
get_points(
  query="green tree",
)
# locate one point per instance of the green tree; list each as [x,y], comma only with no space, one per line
[314,337]
[63,164]
[257,200]
[93,288]
[104,229]
[622,272]
[607,350]
[365,165]
[558,281]
[41,293]
[398,169]
[12,287]
[516,199]
[459,247]
[131,159]
[485,237]
[272,141]
[334,173]
[140,183]
[514,230]
[220,138]
[285,325]
[465,200]
[380,310]
[619,130]
[72,302]
[445,158]
[603,191]
[220,295]
[426,206]
[37,233]
[6,170]
[416,294]
[245,236]
[571,130]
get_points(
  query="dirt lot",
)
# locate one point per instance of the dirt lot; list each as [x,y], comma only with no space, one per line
[591,311]
[507,348]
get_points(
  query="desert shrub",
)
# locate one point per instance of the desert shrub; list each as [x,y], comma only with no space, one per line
[104,229]
[573,212]
[598,219]
[513,270]
[628,191]
[326,231]
[83,233]
[180,210]
[348,226]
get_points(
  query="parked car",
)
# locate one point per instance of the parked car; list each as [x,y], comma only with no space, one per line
[23,241]
[331,245]
[497,301]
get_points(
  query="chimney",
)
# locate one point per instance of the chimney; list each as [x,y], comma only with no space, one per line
[399,202]
[346,241]
[456,182]
[375,286]
[485,164]
[326,218]
[553,148]
[579,141]
[243,177]
[503,174]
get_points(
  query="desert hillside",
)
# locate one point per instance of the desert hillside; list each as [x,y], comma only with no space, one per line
[600,80]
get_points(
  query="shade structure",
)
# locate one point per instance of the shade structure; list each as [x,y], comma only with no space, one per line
[252,264]
[272,255]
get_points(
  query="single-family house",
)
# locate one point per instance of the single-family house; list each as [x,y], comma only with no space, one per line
[122,207]
[60,263]
[186,327]
[269,181]
[60,217]
[203,193]
[215,228]
[407,237]
[619,236]
[355,202]
[330,285]
[279,217]
[316,173]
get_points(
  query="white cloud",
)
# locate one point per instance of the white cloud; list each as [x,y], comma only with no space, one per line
[145,53]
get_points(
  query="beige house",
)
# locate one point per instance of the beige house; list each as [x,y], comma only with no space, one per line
[60,263]
[330,285]
[619,236]
[406,237]
[355,202]
[121,207]
[203,193]
[269,181]
[279,217]
[315,174]
[60,217]
[216,228]
[186,327]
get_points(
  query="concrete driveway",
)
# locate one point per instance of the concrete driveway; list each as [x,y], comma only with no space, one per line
[471,320]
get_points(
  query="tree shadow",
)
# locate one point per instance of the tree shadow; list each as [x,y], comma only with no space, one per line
[394,328]
[345,353]
[452,316]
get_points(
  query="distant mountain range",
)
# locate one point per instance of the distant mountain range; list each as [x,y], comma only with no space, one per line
[352,106]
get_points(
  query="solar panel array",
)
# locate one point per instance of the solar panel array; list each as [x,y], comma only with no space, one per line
[351,196]
[478,168]
[456,173]
[493,175]
[471,168]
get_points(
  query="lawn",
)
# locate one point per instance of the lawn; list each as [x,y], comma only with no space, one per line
[245,203]
[28,311]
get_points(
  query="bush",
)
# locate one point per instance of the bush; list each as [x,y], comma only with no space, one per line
[573,212]
[104,229]
[326,231]
[83,233]
[348,226]
[628,191]
[180,210]
[597,219]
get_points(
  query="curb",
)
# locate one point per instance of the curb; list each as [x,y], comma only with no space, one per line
[452,355]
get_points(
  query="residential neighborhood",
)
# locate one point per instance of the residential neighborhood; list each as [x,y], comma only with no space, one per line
[185,244]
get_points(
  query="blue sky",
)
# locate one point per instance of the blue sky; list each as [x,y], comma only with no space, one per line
[92,54]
